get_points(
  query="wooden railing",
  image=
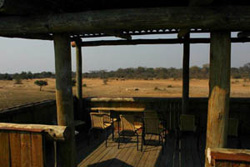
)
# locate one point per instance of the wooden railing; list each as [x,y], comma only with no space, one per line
[167,108]
[23,144]
[228,157]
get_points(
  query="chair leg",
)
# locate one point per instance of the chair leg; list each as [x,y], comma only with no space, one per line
[89,135]
[119,140]
[137,142]
[142,142]
[106,138]
[113,129]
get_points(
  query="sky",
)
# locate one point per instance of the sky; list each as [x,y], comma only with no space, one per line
[19,55]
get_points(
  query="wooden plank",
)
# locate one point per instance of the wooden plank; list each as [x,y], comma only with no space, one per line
[152,42]
[146,153]
[155,153]
[26,159]
[127,150]
[15,147]
[98,21]
[88,160]
[230,154]
[54,131]
[125,109]
[37,150]
[4,149]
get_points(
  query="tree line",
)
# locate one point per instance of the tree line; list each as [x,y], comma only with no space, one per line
[26,75]
[138,73]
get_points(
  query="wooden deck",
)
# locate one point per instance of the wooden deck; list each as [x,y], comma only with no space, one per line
[191,152]
[96,154]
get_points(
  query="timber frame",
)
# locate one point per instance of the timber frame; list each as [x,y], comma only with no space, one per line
[73,20]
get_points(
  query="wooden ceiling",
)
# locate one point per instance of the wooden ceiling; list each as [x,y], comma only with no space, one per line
[38,7]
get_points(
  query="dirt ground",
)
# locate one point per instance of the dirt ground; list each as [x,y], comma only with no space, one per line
[17,94]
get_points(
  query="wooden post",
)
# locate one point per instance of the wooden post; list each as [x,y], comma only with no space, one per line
[64,99]
[79,78]
[185,74]
[219,90]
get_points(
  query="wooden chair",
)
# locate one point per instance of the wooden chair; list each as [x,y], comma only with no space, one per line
[107,118]
[153,126]
[128,128]
[97,122]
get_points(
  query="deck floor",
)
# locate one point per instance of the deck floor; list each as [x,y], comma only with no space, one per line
[188,151]
[96,154]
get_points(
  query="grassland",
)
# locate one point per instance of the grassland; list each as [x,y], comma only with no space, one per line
[17,94]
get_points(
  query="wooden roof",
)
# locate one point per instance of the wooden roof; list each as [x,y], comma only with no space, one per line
[37,7]
[40,19]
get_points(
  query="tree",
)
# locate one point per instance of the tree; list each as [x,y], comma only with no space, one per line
[41,83]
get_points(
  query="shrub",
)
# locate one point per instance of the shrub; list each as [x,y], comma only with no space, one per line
[18,80]
[41,83]
[84,85]
[170,86]
[105,81]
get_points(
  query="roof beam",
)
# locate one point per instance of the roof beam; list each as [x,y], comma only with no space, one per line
[153,41]
[216,18]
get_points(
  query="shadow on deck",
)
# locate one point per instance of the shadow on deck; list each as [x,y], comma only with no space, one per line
[188,151]
[96,154]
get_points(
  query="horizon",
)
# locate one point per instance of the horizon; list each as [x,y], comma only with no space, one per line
[20,55]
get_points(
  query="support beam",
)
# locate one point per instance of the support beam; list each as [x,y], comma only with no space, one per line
[99,21]
[219,90]
[79,78]
[153,42]
[64,99]
[185,75]
[25,7]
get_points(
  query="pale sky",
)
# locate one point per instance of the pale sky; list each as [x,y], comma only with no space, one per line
[19,55]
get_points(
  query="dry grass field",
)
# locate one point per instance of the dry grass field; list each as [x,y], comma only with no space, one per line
[17,94]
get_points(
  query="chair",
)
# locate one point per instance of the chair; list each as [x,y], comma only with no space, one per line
[128,128]
[153,126]
[187,123]
[162,123]
[97,122]
[108,119]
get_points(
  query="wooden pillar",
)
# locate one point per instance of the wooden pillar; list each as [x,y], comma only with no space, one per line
[64,99]
[79,78]
[219,90]
[185,75]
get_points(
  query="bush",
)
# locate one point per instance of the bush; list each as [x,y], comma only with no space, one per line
[41,83]
[84,85]
[170,86]
[105,81]
[18,80]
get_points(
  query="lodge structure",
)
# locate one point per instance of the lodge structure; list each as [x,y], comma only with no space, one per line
[69,22]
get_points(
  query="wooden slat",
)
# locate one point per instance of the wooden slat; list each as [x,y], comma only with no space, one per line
[54,131]
[37,150]
[126,109]
[15,147]
[230,154]
[4,150]
[25,150]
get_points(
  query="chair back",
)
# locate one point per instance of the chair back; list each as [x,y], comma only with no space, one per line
[150,113]
[97,120]
[151,125]
[127,122]
[106,116]
[187,122]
